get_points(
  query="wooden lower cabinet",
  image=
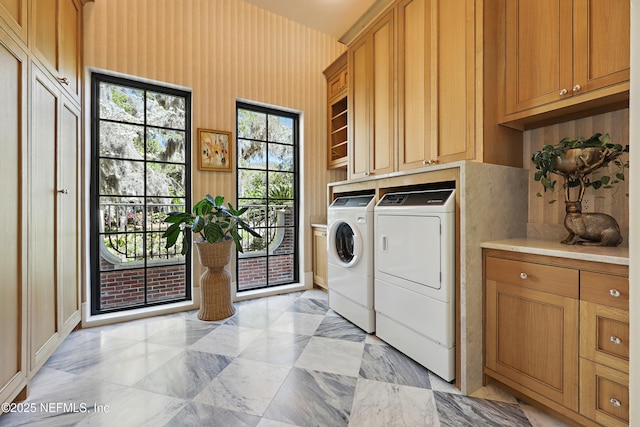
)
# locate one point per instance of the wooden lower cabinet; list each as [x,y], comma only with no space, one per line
[532,336]
[557,331]
[320,257]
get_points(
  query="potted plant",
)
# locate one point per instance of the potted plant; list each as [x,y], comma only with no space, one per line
[574,159]
[217,226]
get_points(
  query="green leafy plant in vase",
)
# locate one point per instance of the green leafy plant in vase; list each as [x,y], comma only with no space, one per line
[217,227]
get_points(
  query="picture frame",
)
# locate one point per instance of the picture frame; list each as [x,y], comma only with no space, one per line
[215,150]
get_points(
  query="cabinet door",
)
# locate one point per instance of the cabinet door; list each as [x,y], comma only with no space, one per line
[14,13]
[416,105]
[56,41]
[13,296]
[532,339]
[320,257]
[382,140]
[68,216]
[539,52]
[43,283]
[601,43]
[359,104]
[456,80]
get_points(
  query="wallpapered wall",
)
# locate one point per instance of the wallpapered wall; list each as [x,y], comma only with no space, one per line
[224,50]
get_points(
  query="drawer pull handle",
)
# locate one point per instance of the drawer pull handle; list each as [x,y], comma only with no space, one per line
[615,340]
[614,293]
[615,402]
[523,275]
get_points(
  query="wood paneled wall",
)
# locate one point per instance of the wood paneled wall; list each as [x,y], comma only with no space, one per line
[612,202]
[224,50]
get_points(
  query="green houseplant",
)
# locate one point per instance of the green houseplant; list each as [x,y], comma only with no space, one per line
[575,159]
[211,220]
[217,227]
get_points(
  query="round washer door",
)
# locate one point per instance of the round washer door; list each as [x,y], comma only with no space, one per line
[345,244]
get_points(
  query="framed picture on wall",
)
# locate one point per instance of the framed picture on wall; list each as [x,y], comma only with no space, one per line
[215,150]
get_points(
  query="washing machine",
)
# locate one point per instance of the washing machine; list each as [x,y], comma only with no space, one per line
[415,276]
[350,259]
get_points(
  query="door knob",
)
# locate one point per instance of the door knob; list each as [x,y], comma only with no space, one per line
[563,92]
[576,88]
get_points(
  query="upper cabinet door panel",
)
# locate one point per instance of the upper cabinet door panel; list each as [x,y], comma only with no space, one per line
[539,41]
[359,97]
[68,65]
[601,42]
[56,41]
[14,13]
[383,142]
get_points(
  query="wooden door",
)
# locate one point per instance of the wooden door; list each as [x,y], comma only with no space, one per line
[14,13]
[43,283]
[359,103]
[456,81]
[532,339]
[601,43]
[68,216]
[13,295]
[56,41]
[539,57]
[382,140]
[416,105]
[320,257]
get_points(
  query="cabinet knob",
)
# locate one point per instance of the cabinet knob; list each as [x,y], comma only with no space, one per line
[615,340]
[523,275]
[614,293]
[615,402]
[63,191]
[564,92]
[576,88]
[63,80]
[367,173]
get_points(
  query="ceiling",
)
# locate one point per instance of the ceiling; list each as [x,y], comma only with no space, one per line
[332,17]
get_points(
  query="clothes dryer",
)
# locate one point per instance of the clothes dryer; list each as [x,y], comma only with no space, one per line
[415,276]
[350,259]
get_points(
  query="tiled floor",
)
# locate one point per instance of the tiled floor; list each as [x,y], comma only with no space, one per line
[279,361]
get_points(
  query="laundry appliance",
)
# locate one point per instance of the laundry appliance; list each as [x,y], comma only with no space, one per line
[350,259]
[415,276]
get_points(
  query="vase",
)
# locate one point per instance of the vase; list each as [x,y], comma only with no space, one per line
[215,282]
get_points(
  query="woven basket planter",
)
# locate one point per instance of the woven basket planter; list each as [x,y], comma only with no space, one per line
[215,282]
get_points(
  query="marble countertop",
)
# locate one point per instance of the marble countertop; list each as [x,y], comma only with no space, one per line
[319,225]
[611,255]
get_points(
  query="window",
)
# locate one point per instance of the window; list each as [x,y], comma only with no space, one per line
[141,139]
[267,180]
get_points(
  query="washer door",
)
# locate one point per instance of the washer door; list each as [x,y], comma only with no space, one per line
[345,244]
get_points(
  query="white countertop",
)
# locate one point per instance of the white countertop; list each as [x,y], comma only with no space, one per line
[319,225]
[611,255]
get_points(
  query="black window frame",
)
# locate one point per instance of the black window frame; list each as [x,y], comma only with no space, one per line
[272,111]
[94,196]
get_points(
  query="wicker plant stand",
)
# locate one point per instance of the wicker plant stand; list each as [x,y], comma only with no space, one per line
[215,282]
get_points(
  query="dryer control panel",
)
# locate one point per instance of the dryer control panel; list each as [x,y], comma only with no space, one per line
[416,198]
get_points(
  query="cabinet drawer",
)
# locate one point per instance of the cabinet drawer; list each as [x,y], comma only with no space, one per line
[605,289]
[604,394]
[337,83]
[544,278]
[604,335]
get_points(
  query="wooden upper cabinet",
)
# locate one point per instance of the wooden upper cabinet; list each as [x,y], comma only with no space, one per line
[601,43]
[372,100]
[456,81]
[14,13]
[416,106]
[436,84]
[557,50]
[56,40]
[338,113]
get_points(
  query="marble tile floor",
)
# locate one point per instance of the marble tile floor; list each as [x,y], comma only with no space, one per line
[286,360]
